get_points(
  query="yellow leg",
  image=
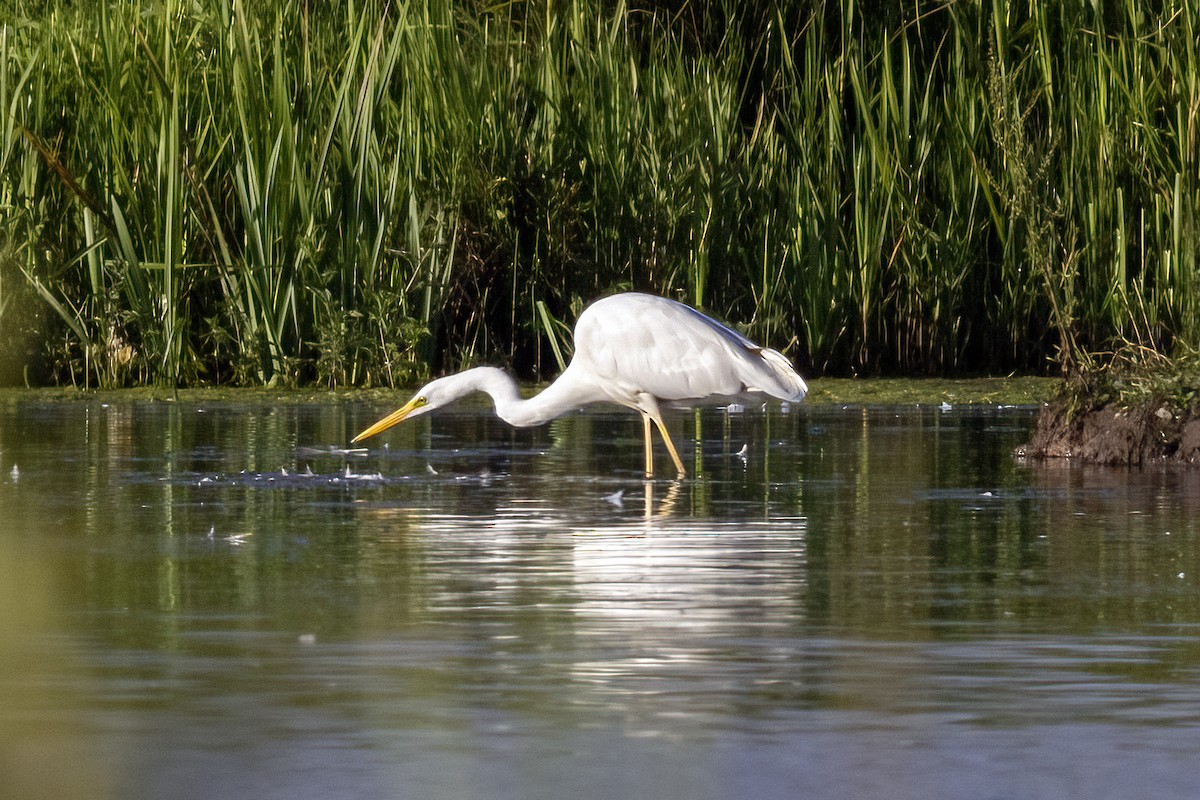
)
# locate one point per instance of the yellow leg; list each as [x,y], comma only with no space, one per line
[662,429]
[647,444]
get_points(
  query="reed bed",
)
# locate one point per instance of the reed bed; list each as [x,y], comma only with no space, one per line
[260,192]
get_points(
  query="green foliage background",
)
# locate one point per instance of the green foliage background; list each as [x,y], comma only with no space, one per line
[281,191]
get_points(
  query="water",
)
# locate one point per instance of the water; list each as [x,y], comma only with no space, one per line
[215,601]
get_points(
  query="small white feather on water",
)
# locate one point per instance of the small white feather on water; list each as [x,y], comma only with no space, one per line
[352,476]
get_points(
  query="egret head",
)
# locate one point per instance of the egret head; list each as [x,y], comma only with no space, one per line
[433,395]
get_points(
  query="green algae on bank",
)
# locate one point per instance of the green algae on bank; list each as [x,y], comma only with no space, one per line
[1011,390]
[822,391]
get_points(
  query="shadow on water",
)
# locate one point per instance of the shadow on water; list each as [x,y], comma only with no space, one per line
[858,602]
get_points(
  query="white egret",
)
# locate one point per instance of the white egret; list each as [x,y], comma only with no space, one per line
[634,350]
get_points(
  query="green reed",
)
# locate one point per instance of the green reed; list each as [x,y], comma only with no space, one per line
[266,192]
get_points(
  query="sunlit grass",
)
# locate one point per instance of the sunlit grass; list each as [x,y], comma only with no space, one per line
[279,193]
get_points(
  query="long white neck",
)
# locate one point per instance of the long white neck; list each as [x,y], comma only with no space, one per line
[567,393]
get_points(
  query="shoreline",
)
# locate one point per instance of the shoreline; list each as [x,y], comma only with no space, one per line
[1153,431]
[1020,390]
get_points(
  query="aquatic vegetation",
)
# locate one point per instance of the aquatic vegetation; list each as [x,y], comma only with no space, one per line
[272,193]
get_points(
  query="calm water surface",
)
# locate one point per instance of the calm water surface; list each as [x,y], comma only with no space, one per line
[215,601]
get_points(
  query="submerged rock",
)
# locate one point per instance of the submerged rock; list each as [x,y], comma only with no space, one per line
[1153,431]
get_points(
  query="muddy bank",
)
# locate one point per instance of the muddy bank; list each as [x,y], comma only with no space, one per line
[1152,432]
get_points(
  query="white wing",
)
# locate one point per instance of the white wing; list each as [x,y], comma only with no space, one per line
[642,343]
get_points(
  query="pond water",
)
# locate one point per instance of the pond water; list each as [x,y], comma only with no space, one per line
[216,600]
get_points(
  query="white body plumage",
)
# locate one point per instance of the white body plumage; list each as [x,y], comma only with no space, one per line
[634,350]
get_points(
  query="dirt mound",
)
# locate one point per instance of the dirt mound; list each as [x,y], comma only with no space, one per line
[1154,432]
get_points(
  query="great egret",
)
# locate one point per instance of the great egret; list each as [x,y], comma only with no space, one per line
[634,350]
